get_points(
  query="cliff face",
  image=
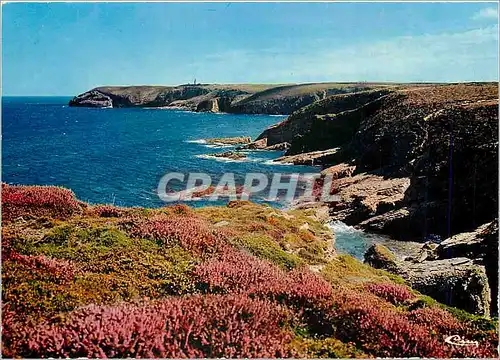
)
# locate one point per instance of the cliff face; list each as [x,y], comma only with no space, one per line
[324,124]
[244,99]
[443,138]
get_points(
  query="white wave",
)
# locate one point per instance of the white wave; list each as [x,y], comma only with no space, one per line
[271,162]
[218,146]
[199,141]
[217,158]
[339,227]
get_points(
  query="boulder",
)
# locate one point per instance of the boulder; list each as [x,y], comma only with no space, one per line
[480,245]
[458,282]
[380,257]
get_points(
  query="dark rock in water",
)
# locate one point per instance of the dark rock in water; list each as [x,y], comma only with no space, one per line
[232,155]
[458,282]
[254,145]
[230,140]
[262,145]
[92,98]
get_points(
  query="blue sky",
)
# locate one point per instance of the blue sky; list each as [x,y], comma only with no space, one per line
[68,48]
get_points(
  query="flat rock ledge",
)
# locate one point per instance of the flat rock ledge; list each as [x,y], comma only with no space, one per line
[230,140]
[310,158]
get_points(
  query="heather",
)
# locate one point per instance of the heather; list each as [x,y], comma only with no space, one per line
[243,280]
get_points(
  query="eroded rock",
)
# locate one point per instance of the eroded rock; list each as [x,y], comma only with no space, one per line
[458,282]
[230,140]
[311,158]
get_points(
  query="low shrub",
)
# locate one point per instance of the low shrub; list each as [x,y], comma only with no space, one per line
[190,232]
[383,331]
[194,327]
[326,348]
[108,211]
[394,293]
[240,273]
[266,248]
[38,201]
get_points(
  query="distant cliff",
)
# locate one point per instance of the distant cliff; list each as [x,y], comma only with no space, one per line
[240,99]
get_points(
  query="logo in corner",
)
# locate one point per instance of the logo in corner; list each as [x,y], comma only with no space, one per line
[458,341]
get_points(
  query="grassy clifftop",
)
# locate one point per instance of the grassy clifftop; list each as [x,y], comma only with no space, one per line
[244,280]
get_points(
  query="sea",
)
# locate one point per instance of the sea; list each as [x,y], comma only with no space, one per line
[118,156]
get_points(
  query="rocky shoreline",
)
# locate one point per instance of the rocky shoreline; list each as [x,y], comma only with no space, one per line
[413,164]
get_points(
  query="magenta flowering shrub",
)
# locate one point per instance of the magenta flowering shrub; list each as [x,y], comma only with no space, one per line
[435,318]
[383,331]
[190,232]
[57,270]
[235,271]
[394,293]
[199,326]
[107,211]
[38,201]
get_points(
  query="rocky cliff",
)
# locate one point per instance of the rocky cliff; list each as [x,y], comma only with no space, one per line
[442,138]
[413,162]
[244,99]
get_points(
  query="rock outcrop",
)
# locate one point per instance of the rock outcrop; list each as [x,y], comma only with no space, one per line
[414,162]
[366,196]
[480,245]
[262,145]
[457,282]
[324,124]
[230,140]
[92,98]
[311,158]
[230,155]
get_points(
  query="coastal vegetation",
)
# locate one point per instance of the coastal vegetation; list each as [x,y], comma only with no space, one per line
[244,280]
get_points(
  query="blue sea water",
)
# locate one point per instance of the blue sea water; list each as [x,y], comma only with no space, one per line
[119,155]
